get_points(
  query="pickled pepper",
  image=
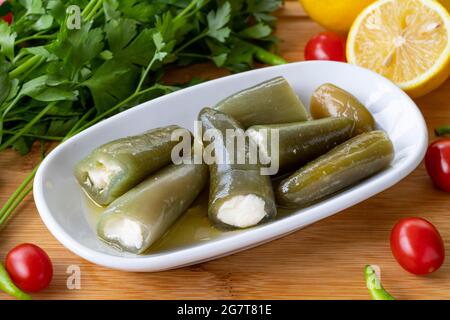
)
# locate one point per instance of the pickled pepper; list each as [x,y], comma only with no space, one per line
[343,166]
[114,168]
[269,102]
[239,196]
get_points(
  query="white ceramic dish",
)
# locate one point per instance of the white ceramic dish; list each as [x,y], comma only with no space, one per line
[59,199]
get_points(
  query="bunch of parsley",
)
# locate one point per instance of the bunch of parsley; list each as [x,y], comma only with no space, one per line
[65,65]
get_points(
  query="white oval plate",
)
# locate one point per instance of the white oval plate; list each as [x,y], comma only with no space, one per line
[59,198]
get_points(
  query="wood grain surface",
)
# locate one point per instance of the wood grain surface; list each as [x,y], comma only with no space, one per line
[323,261]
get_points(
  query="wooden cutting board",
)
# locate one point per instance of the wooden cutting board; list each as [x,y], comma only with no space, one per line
[323,261]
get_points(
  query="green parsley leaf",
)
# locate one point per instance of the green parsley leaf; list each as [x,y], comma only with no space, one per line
[44,22]
[5,8]
[259,6]
[5,83]
[119,33]
[217,22]
[111,83]
[7,40]
[78,47]
[53,94]
[141,10]
[33,6]
[139,51]
[257,31]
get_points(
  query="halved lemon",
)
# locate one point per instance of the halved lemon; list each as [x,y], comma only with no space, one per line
[335,15]
[407,41]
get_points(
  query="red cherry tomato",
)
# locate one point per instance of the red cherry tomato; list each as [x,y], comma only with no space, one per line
[29,267]
[5,6]
[437,162]
[417,245]
[326,46]
[8,18]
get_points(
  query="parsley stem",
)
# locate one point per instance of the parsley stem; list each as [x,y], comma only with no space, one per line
[78,124]
[193,40]
[33,67]
[10,106]
[94,10]
[20,20]
[27,128]
[106,113]
[88,8]
[186,10]
[15,73]
[145,74]
[36,37]
[22,61]
[37,136]
[17,200]
[121,104]
[195,55]
[6,209]
[19,56]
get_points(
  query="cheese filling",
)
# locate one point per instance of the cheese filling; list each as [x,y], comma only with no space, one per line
[100,175]
[126,231]
[242,211]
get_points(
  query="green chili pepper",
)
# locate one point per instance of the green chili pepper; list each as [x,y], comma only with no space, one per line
[376,290]
[348,163]
[239,196]
[268,57]
[269,102]
[134,221]
[116,167]
[302,142]
[9,287]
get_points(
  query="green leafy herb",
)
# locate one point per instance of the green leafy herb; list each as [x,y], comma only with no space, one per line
[7,39]
[57,80]
[217,22]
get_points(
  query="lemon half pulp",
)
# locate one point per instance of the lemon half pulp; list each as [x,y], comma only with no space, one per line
[407,41]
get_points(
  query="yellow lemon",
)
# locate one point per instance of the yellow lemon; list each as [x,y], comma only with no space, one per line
[335,15]
[407,41]
[446,3]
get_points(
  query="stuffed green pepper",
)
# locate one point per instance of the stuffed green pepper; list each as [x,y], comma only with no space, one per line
[331,101]
[134,221]
[114,168]
[300,142]
[240,196]
[269,102]
[343,166]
